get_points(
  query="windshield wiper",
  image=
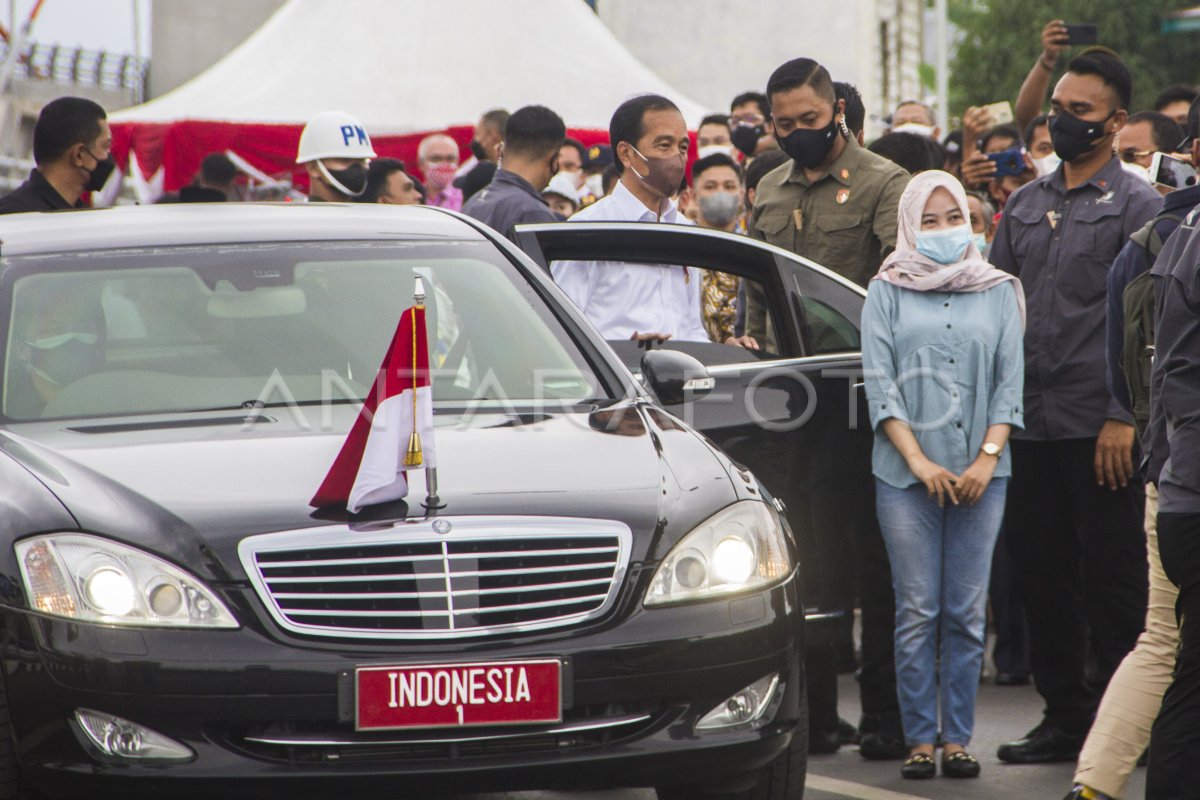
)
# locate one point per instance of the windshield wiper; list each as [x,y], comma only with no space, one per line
[254,405]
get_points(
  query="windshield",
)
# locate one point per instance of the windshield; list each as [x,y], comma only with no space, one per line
[232,326]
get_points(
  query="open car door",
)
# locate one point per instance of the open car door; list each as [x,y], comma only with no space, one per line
[793,411]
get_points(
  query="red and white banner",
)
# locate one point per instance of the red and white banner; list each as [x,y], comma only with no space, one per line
[371,466]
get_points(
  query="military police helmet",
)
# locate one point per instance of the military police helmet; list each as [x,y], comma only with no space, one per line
[333,134]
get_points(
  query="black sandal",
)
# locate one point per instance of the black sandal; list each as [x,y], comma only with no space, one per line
[960,765]
[918,765]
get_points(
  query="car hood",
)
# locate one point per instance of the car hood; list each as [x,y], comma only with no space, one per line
[186,489]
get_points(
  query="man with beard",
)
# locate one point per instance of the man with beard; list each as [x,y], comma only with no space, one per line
[335,151]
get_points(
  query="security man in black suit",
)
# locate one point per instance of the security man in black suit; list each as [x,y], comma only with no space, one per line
[71,143]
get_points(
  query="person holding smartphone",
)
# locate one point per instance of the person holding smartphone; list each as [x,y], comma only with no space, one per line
[944,366]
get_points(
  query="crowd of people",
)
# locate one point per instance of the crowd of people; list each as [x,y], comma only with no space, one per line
[1030,340]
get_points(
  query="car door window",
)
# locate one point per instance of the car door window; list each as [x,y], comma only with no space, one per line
[826,330]
[830,310]
[621,297]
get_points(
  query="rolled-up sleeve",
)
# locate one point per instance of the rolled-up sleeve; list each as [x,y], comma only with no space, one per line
[880,366]
[1006,405]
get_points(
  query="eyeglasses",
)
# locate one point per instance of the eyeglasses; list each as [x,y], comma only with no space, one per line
[1131,155]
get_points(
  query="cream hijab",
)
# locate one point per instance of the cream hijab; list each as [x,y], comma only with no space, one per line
[909,269]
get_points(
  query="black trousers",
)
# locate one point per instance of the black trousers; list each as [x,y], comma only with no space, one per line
[1174,767]
[877,678]
[1011,653]
[872,572]
[1079,551]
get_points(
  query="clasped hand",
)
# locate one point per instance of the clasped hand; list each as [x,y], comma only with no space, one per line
[965,488]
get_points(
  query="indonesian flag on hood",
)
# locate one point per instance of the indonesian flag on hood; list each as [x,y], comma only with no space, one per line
[394,431]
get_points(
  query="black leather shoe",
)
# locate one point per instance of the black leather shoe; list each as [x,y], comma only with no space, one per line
[847,733]
[1044,744]
[918,766]
[960,765]
[1012,678]
[823,741]
[880,746]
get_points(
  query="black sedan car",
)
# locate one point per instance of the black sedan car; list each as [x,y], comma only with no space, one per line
[600,595]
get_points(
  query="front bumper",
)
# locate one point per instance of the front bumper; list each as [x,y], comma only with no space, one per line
[261,709]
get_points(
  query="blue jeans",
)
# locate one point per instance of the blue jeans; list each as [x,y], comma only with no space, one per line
[941,561]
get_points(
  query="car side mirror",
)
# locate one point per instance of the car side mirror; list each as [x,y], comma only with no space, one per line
[675,377]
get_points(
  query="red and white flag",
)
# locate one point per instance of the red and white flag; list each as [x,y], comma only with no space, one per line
[394,431]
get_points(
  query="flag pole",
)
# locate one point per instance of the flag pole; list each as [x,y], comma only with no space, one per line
[432,501]
[414,457]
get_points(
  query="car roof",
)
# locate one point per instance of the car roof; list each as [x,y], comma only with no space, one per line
[177,224]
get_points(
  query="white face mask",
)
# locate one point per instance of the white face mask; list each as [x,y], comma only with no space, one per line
[1136,169]
[708,150]
[914,127]
[595,185]
[575,175]
[1046,164]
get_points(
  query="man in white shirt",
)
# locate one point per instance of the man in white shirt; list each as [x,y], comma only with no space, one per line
[642,302]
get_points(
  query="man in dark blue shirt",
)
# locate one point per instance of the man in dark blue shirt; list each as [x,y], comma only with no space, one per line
[1074,519]
[1121,731]
[1174,768]
[533,136]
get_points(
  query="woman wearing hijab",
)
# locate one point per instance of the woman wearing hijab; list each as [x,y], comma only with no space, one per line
[942,348]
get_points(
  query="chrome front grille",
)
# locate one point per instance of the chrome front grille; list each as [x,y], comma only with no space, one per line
[487,575]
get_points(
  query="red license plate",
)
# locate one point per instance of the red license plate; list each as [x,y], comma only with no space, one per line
[458,695]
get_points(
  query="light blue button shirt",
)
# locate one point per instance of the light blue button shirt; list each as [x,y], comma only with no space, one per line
[948,364]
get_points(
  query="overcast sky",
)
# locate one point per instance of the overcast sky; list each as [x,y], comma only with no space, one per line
[94,24]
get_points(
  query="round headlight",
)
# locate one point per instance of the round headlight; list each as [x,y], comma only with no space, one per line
[733,560]
[690,571]
[166,599]
[110,591]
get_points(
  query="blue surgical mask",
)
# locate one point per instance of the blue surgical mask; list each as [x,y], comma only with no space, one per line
[981,242]
[945,246]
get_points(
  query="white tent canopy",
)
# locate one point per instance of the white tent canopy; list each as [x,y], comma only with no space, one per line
[404,66]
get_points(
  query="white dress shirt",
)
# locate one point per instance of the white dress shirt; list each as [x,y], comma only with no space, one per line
[622,298]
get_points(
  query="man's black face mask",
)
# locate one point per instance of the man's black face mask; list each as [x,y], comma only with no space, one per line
[99,174]
[1074,137]
[745,137]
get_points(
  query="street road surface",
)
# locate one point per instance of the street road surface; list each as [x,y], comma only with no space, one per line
[1003,713]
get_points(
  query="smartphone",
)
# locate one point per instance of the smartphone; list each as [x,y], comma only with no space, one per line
[1009,162]
[1000,113]
[1083,33]
[1171,171]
